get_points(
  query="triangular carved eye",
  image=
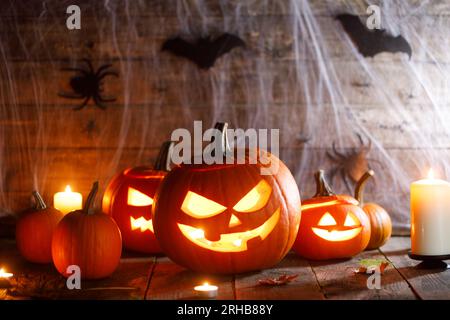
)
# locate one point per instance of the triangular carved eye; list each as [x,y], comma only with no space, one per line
[351,220]
[255,199]
[327,220]
[138,199]
[200,207]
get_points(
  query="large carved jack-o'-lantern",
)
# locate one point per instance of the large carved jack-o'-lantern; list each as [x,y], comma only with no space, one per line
[129,198]
[227,218]
[333,226]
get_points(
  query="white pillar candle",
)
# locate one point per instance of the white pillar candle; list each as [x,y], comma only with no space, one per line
[67,201]
[430,216]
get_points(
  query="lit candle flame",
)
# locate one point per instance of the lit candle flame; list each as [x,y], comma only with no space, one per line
[68,189]
[430,174]
[206,287]
[4,274]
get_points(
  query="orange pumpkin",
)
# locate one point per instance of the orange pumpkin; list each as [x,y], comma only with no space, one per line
[380,222]
[129,199]
[227,218]
[333,226]
[88,239]
[34,231]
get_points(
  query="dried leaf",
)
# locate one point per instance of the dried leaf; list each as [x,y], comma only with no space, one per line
[281,280]
[367,266]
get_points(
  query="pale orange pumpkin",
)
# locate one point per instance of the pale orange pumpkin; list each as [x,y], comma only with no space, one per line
[34,231]
[380,221]
[88,239]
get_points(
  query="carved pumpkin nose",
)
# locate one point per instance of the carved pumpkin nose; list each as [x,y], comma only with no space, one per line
[234,221]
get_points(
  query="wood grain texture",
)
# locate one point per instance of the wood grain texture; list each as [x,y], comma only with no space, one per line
[305,286]
[36,281]
[158,278]
[172,282]
[427,284]
[338,280]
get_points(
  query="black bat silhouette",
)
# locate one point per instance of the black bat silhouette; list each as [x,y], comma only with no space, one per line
[372,42]
[204,51]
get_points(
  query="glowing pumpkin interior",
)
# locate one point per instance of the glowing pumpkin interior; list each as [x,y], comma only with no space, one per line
[200,207]
[136,198]
[328,229]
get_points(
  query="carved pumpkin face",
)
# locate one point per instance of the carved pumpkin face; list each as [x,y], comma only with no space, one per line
[254,201]
[227,218]
[129,199]
[333,226]
[328,228]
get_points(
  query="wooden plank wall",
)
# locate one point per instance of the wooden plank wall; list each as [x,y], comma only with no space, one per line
[45,144]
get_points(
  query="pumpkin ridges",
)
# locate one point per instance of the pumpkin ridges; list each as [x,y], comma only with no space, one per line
[34,231]
[91,241]
[310,245]
[233,186]
[381,225]
[292,236]
[380,220]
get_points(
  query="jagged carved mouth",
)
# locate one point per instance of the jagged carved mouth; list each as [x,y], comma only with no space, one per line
[230,242]
[142,224]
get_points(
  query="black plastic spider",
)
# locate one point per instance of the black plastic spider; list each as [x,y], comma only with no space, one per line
[87,84]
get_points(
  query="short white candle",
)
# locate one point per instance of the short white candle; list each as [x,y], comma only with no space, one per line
[67,200]
[206,291]
[4,274]
[430,216]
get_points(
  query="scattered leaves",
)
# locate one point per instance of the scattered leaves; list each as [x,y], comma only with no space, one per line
[281,280]
[366,265]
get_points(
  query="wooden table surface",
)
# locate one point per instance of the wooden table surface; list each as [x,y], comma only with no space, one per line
[141,277]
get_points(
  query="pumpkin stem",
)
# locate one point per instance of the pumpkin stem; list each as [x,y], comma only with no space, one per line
[90,199]
[359,189]
[162,162]
[40,203]
[323,188]
[224,145]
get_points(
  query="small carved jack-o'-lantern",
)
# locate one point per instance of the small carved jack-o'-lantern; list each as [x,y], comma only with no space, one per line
[333,226]
[129,199]
[227,218]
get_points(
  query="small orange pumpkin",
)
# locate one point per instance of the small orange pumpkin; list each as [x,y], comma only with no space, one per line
[34,231]
[88,239]
[332,226]
[380,222]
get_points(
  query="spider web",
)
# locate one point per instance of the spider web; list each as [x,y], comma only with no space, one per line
[300,73]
